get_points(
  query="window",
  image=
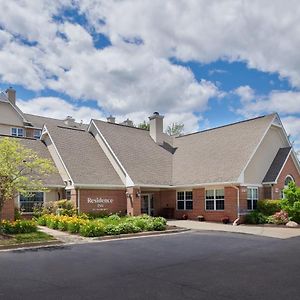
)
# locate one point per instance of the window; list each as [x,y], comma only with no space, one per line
[17,131]
[185,200]
[28,203]
[37,133]
[252,197]
[214,199]
[288,179]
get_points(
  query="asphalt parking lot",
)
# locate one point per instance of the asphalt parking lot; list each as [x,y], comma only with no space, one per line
[190,265]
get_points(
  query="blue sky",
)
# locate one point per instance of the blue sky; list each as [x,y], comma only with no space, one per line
[199,63]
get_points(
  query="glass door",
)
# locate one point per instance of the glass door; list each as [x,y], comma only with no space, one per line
[147,206]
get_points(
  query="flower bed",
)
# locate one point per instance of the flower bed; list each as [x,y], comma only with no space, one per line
[112,225]
[19,226]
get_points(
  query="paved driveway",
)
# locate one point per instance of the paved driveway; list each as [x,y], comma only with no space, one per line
[190,265]
[263,230]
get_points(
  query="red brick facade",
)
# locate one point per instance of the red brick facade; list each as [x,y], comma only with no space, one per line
[288,169]
[8,210]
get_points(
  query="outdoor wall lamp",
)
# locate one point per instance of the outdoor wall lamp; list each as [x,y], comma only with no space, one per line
[138,194]
[128,196]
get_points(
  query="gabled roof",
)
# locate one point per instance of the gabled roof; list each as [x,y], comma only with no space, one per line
[277,165]
[83,157]
[146,162]
[217,155]
[53,180]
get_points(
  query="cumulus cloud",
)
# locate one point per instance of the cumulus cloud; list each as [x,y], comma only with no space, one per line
[263,35]
[55,107]
[134,76]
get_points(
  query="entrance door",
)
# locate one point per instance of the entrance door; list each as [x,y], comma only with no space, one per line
[147,206]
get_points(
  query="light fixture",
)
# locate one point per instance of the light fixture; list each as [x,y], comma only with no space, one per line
[138,194]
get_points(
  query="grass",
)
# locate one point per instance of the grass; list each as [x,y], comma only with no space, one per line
[25,238]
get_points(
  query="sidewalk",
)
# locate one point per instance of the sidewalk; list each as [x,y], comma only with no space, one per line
[65,237]
[261,230]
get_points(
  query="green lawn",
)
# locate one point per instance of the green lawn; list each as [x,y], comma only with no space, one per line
[26,238]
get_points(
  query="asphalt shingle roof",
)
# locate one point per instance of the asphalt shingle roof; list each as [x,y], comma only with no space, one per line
[145,161]
[219,154]
[277,164]
[83,157]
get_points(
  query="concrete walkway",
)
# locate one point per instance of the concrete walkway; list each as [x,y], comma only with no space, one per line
[65,237]
[261,230]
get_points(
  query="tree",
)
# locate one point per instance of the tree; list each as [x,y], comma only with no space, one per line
[144,125]
[21,170]
[175,129]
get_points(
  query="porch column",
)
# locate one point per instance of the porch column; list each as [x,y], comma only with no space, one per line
[133,201]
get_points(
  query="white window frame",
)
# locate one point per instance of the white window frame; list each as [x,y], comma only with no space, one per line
[18,130]
[282,196]
[184,200]
[214,200]
[252,199]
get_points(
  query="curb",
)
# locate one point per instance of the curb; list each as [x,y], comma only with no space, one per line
[33,245]
[139,234]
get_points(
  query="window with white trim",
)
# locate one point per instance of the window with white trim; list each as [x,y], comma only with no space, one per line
[252,198]
[215,199]
[28,203]
[287,180]
[185,200]
[17,131]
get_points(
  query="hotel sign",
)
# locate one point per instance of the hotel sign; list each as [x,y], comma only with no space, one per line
[101,203]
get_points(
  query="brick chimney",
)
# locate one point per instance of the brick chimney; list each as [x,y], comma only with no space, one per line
[11,95]
[157,127]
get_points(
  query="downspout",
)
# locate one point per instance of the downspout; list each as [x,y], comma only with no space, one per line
[78,201]
[236,222]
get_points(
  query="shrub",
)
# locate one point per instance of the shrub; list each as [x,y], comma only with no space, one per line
[92,229]
[293,210]
[128,227]
[159,224]
[114,217]
[19,226]
[279,218]
[65,208]
[17,214]
[268,207]
[42,220]
[111,229]
[63,225]
[255,217]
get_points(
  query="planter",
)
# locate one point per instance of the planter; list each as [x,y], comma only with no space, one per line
[200,218]
[225,220]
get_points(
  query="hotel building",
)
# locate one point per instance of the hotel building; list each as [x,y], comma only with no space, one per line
[105,166]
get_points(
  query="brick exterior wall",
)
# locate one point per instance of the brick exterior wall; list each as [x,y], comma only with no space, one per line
[168,200]
[288,169]
[133,202]
[111,201]
[8,210]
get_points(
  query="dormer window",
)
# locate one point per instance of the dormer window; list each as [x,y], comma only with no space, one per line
[37,133]
[17,132]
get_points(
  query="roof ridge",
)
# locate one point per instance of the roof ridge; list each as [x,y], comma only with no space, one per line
[123,125]
[226,125]
[71,128]
[43,117]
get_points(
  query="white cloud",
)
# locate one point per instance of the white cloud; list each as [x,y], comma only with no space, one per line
[263,35]
[40,52]
[283,102]
[58,108]
[245,92]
